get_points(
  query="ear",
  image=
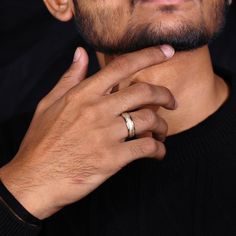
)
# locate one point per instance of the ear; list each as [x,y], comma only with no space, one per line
[60,9]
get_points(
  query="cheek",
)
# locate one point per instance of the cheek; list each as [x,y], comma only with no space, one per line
[213,14]
[108,19]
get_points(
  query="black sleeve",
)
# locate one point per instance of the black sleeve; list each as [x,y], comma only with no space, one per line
[14,218]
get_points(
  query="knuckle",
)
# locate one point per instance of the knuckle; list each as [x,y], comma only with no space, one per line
[70,97]
[121,63]
[90,113]
[150,146]
[170,97]
[146,147]
[101,108]
[161,151]
[163,125]
[41,106]
[137,150]
[149,117]
[146,89]
[98,140]
[167,96]
[152,55]
[123,100]
[67,75]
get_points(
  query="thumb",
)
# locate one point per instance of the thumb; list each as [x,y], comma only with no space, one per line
[73,76]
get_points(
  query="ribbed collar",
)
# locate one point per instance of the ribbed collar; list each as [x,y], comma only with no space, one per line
[216,130]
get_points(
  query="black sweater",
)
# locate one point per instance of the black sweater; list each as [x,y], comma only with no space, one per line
[191,192]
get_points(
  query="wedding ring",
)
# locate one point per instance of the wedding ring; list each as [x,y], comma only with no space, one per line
[129,124]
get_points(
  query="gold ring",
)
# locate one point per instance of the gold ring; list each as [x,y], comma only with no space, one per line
[129,124]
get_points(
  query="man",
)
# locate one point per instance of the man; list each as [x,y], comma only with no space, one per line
[78,137]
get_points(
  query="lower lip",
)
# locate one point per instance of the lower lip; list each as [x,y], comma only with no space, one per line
[165,2]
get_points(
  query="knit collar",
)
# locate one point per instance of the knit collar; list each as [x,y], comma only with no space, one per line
[215,131]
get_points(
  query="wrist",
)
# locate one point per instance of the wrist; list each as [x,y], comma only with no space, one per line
[32,196]
[15,208]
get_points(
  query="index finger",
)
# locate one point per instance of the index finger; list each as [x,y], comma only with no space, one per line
[128,64]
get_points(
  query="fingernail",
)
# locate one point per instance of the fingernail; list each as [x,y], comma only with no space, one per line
[167,50]
[77,55]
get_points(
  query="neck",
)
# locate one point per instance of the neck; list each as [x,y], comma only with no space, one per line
[191,79]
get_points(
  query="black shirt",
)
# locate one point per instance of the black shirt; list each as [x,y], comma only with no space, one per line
[191,192]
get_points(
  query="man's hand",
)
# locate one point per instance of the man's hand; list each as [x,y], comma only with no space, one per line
[77,137]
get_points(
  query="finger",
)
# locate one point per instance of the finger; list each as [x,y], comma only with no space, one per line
[146,134]
[139,95]
[126,65]
[144,120]
[139,148]
[74,75]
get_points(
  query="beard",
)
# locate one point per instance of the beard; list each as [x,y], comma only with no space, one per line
[185,37]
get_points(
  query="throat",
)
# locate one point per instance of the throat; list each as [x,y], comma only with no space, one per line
[199,92]
[191,79]
[195,107]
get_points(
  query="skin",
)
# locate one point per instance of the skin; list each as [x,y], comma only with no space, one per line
[166,21]
[68,152]
[116,27]
[56,155]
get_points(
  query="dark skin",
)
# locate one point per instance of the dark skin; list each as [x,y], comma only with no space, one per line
[68,151]
[77,137]
[166,21]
